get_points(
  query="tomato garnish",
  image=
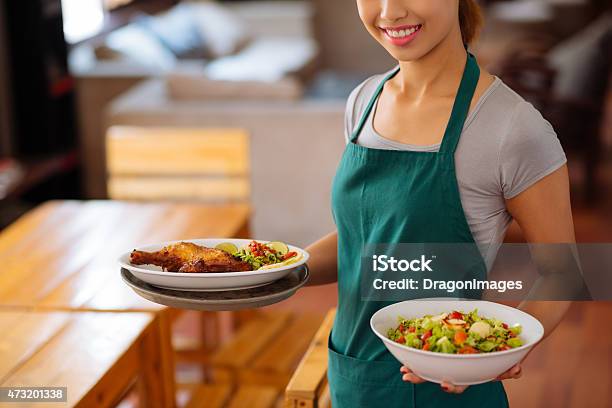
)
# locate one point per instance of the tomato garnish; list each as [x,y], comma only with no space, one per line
[426,346]
[505,326]
[426,335]
[401,340]
[289,254]
[460,337]
[411,329]
[467,350]
[456,315]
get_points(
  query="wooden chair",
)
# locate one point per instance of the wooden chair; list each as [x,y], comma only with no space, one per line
[155,163]
[266,349]
[308,386]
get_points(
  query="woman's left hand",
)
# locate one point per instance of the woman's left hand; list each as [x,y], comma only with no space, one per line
[409,376]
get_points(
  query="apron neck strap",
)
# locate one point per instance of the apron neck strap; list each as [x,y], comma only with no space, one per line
[368,108]
[461,106]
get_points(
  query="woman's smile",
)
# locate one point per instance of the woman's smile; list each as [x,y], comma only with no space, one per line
[401,35]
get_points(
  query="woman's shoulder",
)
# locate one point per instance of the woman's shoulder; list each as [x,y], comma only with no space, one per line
[524,142]
[511,115]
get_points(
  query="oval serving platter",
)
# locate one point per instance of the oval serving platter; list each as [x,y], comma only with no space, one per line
[208,281]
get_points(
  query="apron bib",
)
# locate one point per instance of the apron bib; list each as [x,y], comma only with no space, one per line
[395,196]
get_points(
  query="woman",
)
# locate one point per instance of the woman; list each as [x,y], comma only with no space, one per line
[438,150]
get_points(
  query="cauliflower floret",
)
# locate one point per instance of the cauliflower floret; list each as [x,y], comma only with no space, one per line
[481,328]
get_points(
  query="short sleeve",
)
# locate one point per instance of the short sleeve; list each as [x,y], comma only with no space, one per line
[348,114]
[529,152]
[355,105]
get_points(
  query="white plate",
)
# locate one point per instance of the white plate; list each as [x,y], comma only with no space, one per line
[458,369]
[208,281]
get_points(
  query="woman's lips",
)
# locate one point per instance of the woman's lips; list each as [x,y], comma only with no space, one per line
[401,35]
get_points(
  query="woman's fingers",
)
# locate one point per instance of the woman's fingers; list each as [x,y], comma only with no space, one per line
[409,376]
[514,372]
[453,389]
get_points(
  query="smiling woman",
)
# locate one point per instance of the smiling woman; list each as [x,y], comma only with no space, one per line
[437,150]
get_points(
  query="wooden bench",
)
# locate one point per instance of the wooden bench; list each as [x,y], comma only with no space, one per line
[97,356]
[225,396]
[265,349]
[308,386]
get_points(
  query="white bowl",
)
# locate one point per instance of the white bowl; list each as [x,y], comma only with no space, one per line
[208,281]
[458,369]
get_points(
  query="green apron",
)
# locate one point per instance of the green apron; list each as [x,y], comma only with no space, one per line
[395,196]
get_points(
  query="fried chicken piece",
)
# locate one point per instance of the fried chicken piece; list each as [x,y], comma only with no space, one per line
[189,257]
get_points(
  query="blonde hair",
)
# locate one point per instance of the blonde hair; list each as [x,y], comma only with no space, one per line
[470,20]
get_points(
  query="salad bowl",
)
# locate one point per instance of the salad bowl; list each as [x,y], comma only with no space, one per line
[457,369]
[210,281]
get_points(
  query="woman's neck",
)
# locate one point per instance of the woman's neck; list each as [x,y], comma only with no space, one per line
[435,74]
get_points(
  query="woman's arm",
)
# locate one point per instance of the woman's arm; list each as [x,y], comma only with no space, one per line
[544,214]
[323,262]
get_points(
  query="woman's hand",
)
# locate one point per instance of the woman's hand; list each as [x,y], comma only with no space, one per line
[409,376]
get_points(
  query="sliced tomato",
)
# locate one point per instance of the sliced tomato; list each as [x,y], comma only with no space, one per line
[426,335]
[467,350]
[426,346]
[411,329]
[505,326]
[401,340]
[289,254]
[460,337]
[456,315]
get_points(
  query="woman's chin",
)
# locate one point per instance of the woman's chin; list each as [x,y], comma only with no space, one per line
[407,55]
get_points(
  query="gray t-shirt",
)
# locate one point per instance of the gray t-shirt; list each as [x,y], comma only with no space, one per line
[505,147]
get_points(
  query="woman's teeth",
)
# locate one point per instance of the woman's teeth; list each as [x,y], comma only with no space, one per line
[402,33]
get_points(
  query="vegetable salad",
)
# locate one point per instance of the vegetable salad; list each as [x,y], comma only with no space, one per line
[262,256]
[456,333]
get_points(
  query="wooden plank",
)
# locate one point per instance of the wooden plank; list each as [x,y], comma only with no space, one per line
[254,397]
[276,363]
[250,340]
[23,335]
[179,188]
[180,151]
[285,350]
[310,374]
[94,355]
[210,396]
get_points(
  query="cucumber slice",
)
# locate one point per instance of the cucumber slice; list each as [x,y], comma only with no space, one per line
[227,247]
[280,247]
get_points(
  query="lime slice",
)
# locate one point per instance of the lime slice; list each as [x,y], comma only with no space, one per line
[227,247]
[289,261]
[280,247]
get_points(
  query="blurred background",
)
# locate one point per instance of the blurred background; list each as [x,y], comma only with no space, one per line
[76,76]
[243,101]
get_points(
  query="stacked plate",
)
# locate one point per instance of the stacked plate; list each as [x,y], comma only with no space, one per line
[215,290]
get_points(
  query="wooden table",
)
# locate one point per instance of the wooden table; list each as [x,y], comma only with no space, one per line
[62,256]
[96,356]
